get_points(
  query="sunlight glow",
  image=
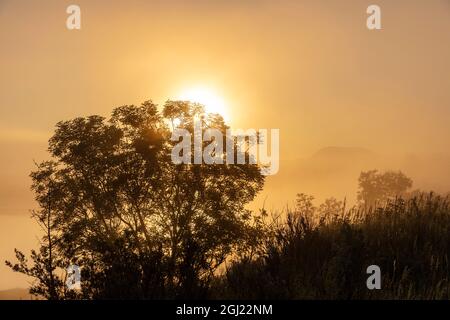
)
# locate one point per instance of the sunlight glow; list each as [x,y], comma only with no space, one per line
[213,103]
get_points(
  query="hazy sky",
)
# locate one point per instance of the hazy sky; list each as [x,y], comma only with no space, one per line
[308,67]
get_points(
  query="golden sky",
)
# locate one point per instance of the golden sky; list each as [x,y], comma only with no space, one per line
[308,67]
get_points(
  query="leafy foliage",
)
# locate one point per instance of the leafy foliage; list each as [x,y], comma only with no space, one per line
[138,224]
[376,187]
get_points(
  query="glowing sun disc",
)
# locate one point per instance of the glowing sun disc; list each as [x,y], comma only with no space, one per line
[207,97]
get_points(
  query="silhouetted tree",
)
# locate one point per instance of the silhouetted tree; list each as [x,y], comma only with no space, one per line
[376,187]
[137,224]
[304,204]
[331,209]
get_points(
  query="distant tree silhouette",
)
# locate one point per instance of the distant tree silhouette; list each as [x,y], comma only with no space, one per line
[137,224]
[304,204]
[331,209]
[378,187]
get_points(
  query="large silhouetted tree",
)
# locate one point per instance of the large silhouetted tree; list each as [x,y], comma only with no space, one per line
[139,225]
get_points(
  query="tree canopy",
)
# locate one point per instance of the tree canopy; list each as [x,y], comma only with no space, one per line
[139,225]
[375,186]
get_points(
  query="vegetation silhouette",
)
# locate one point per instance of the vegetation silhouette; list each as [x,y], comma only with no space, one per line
[326,258]
[141,227]
[376,187]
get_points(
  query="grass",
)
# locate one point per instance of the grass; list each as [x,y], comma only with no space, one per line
[307,257]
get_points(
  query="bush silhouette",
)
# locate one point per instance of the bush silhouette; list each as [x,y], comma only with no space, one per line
[305,259]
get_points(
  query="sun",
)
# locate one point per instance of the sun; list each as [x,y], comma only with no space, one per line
[206,96]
